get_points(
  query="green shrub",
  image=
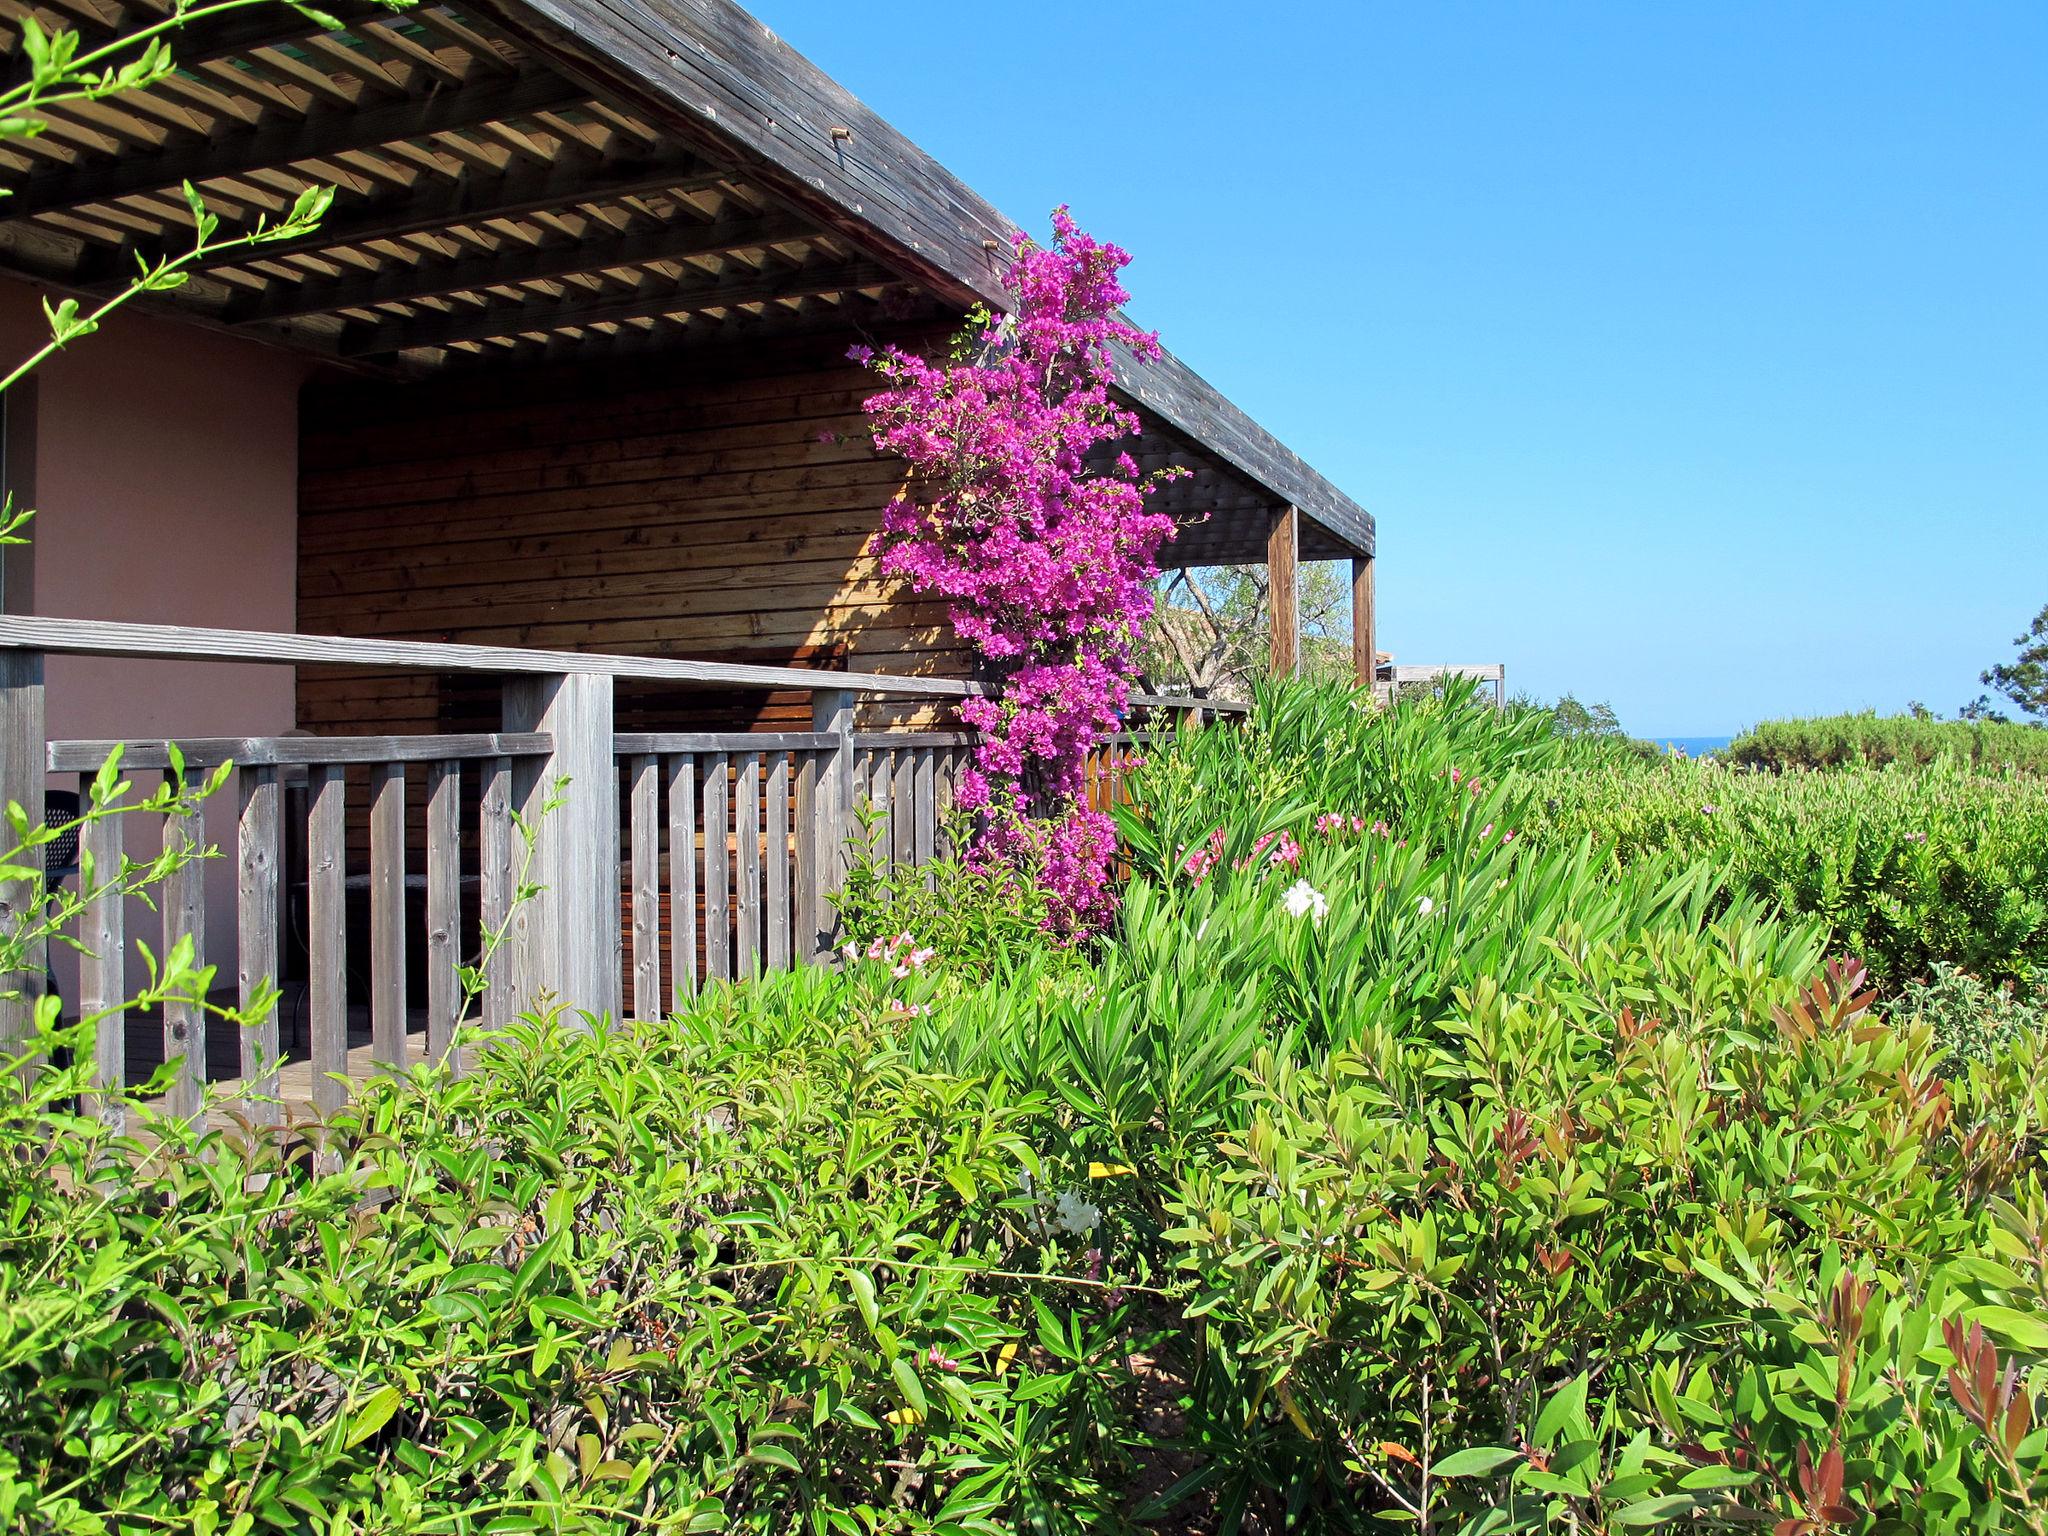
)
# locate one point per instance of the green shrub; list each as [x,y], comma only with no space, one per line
[1550,1267]
[747,1270]
[1972,1020]
[1875,741]
[1906,867]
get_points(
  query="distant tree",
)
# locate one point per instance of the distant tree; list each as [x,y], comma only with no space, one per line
[1568,717]
[2024,680]
[1211,633]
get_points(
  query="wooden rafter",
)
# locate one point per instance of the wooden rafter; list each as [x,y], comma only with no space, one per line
[465,200]
[317,136]
[554,315]
[436,279]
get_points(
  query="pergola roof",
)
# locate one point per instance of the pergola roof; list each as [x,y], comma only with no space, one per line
[521,181]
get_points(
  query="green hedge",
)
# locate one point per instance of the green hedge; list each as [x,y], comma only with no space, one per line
[1875,741]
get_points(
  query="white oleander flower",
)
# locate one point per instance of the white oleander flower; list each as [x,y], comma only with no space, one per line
[1304,900]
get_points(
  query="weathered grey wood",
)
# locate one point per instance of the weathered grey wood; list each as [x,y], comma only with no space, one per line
[444,909]
[106,637]
[891,739]
[945,779]
[832,715]
[1364,640]
[903,808]
[327,936]
[387,915]
[682,874]
[881,783]
[807,878]
[21,783]
[717,886]
[278,751]
[1283,591]
[103,968]
[746,819]
[776,859]
[565,939]
[259,859]
[646,874]
[498,875]
[627,743]
[184,917]
[924,839]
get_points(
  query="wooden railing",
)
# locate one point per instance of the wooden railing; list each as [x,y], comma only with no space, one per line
[1393,679]
[670,859]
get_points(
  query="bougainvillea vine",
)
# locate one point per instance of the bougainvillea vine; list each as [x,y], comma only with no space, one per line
[1044,550]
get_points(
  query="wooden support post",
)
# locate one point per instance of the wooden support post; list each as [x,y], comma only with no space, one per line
[23,755]
[1364,639]
[565,943]
[1283,595]
[832,823]
[444,908]
[387,916]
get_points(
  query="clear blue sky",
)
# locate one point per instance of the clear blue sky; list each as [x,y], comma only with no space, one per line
[1692,357]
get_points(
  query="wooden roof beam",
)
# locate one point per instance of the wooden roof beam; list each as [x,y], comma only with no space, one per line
[224,36]
[318,136]
[435,279]
[466,199]
[502,320]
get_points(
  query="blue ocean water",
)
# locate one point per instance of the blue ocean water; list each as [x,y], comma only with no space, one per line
[1692,746]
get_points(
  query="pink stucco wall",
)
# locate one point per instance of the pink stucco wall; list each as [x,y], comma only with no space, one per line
[166,491]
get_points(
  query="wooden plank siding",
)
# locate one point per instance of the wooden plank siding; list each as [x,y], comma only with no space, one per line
[726,518]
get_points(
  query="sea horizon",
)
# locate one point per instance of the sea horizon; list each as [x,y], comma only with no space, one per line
[1691,746]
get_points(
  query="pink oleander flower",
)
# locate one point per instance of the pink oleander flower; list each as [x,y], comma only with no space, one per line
[1381,829]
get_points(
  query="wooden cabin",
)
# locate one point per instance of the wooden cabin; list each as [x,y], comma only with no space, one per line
[542,455]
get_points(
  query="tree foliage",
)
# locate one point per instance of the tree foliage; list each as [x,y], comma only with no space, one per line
[2024,679]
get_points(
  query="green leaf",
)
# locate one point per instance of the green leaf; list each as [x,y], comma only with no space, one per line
[372,1416]
[2027,1330]
[908,1384]
[1474,1461]
[863,1289]
[1654,1511]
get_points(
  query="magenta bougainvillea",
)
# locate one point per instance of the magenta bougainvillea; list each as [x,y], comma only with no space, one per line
[1043,548]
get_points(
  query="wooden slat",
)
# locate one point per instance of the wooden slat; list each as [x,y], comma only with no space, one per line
[444,908]
[387,914]
[103,968]
[432,279]
[259,848]
[804,942]
[320,134]
[184,917]
[327,936]
[747,859]
[648,1002]
[498,877]
[777,859]
[541,315]
[21,783]
[924,838]
[633,742]
[682,874]
[903,808]
[717,881]
[277,751]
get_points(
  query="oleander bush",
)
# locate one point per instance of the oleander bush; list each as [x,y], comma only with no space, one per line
[1875,741]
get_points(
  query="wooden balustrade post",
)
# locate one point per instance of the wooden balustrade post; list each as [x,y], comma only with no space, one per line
[564,943]
[23,761]
[832,824]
